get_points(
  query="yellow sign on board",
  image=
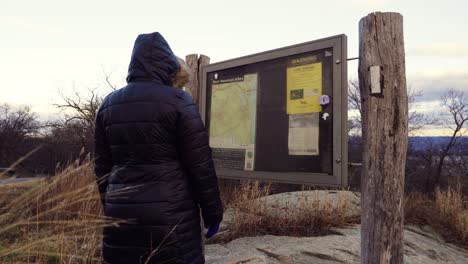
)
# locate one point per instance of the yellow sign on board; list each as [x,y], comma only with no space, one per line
[304,88]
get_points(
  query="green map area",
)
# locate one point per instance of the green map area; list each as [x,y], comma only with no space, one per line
[233,113]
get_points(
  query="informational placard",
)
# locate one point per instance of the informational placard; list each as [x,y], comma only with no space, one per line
[233,112]
[303,137]
[280,115]
[304,86]
[233,118]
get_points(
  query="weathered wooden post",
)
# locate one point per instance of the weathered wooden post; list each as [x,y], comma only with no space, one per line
[195,63]
[382,81]
[192,62]
[202,61]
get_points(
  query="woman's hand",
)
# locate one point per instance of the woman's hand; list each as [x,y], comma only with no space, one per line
[212,230]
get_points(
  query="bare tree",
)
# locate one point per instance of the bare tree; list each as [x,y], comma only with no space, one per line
[354,104]
[79,108]
[16,125]
[352,125]
[455,102]
[79,114]
[427,158]
[416,120]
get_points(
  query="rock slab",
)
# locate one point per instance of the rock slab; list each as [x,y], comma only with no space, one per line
[420,248]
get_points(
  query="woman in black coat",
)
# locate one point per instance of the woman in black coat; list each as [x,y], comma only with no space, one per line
[153,164]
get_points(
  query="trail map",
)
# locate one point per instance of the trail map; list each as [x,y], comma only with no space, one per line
[233,112]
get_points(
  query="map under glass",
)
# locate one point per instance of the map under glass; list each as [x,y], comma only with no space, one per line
[233,112]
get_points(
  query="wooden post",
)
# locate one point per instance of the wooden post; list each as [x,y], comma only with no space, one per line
[192,86]
[195,63]
[382,81]
[202,61]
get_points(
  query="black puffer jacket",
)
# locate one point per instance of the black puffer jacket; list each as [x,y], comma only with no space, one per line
[153,159]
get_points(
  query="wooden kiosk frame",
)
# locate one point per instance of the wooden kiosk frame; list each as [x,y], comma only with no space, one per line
[339,175]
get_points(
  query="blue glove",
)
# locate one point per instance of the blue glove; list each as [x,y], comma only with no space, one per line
[212,230]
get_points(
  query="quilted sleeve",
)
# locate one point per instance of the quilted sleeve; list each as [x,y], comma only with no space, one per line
[196,157]
[102,157]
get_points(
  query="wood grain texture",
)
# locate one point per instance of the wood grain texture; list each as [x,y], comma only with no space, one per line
[385,138]
[192,86]
[195,63]
[202,61]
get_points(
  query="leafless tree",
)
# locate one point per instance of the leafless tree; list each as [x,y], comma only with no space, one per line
[354,104]
[416,120]
[427,158]
[79,108]
[352,125]
[455,102]
[16,124]
[80,111]
[79,115]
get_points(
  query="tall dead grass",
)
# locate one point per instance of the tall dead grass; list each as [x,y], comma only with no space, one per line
[452,208]
[252,215]
[57,220]
[446,213]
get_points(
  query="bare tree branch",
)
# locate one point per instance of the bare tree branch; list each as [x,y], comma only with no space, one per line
[107,77]
[456,102]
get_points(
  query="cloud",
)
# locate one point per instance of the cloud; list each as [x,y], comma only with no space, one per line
[431,132]
[17,23]
[441,49]
[433,85]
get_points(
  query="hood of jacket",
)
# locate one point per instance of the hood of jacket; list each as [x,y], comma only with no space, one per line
[152,60]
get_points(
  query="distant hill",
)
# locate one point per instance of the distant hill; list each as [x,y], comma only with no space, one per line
[422,143]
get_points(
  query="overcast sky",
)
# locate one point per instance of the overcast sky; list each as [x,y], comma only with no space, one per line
[50,44]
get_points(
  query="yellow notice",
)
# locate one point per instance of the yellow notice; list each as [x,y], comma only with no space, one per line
[304,88]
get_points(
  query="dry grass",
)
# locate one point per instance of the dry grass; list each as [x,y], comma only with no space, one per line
[57,220]
[446,213]
[453,210]
[253,216]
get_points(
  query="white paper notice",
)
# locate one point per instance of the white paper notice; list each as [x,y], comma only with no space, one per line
[303,138]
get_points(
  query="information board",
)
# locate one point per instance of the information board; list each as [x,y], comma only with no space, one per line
[280,115]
